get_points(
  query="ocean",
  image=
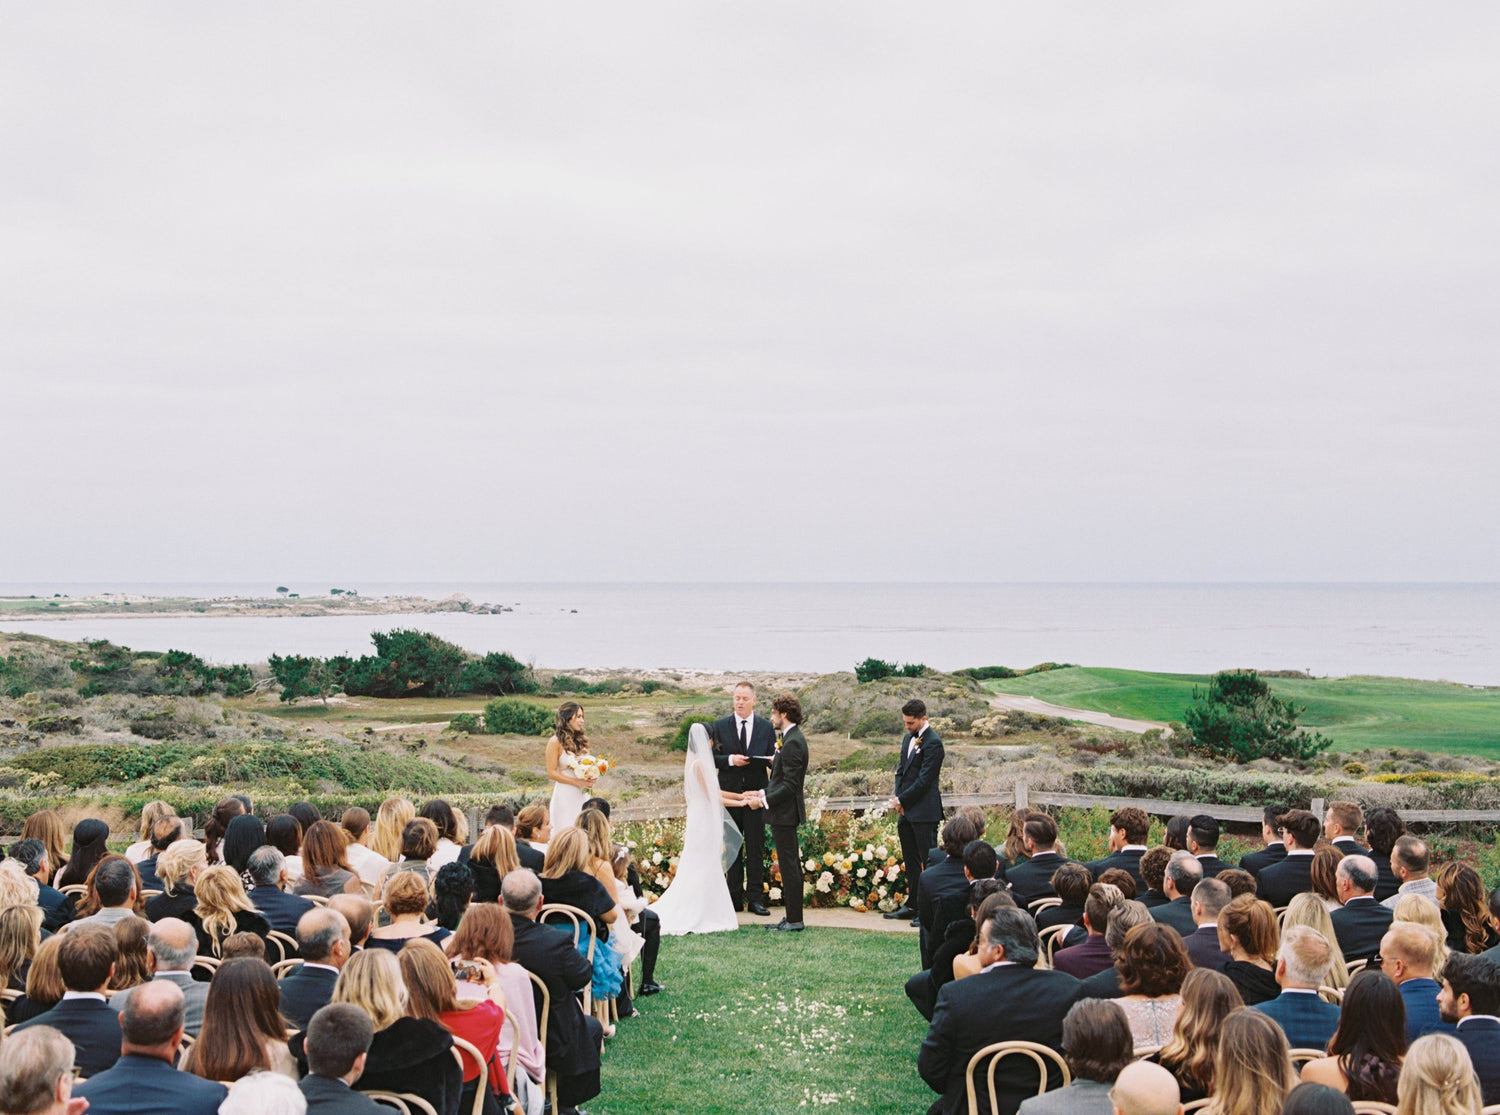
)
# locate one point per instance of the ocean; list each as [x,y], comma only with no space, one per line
[1434,631]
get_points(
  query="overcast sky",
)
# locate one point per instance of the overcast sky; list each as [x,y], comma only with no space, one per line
[763,292]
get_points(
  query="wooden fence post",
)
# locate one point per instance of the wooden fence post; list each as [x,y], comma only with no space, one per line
[1319,808]
[1023,797]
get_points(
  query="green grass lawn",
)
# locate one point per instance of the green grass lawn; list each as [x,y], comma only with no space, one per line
[1355,713]
[760,1022]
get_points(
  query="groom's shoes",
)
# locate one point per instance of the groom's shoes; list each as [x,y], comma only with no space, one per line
[759,909]
[784,926]
[651,988]
[904,912]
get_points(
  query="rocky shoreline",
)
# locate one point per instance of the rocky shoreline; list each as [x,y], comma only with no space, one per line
[21,608]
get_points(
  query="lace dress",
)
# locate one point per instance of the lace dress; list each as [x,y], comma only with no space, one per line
[1151,1021]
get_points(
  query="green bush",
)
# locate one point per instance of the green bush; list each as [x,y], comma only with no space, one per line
[1212,787]
[499,673]
[1238,718]
[679,740]
[986,673]
[26,672]
[518,718]
[466,722]
[874,669]
[878,722]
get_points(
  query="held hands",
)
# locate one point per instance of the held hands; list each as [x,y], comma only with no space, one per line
[755,799]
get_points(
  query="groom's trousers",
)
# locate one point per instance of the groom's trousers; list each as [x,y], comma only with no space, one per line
[789,858]
[746,875]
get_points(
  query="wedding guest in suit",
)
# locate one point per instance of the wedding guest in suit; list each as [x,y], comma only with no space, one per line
[145,1080]
[1097,1044]
[1341,824]
[1279,883]
[1361,921]
[171,947]
[1151,963]
[1093,954]
[744,746]
[1203,842]
[1009,999]
[1270,832]
[1208,902]
[1470,999]
[1316,1099]
[359,912]
[36,1074]
[1465,909]
[1253,1072]
[1383,827]
[1308,909]
[1408,953]
[282,911]
[57,907]
[323,943]
[1071,882]
[1208,998]
[1184,872]
[1324,875]
[86,959]
[918,799]
[1153,868]
[785,805]
[947,890]
[1031,877]
[1122,919]
[1302,966]
[1128,829]
[922,989]
[114,893]
[1410,862]
[1364,1055]
[338,1044]
[1239,882]
[365,861]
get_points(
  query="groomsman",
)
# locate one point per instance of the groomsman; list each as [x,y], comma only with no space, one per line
[917,798]
[744,745]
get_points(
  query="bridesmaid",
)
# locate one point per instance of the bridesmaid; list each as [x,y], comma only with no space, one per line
[569,791]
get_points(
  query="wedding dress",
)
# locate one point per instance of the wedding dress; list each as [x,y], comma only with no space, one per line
[697,901]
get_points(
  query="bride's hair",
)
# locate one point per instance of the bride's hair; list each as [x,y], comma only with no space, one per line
[570,740]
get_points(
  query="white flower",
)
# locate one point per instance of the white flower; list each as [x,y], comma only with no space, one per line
[882,891]
[861,873]
[811,865]
[892,872]
[868,856]
[825,882]
[882,851]
[655,857]
[662,880]
[775,894]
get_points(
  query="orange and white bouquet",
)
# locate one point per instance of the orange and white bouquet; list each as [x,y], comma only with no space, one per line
[586,766]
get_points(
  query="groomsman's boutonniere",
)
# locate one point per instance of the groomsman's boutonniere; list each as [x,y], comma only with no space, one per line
[778,741]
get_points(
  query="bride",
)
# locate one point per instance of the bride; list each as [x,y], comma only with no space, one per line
[697,901]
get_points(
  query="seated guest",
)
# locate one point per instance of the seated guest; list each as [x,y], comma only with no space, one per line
[359,912]
[1308,909]
[390,825]
[1493,953]
[1316,1099]
[243,944]
[491,859]
[337,1044]
[1341,825]
[1013,851]
[1208,902]
[1154,875]
[1208,998]
[452,831]
[243,1032]
[222,909]
[1437,1076]
[567,879]
[1071,883]
[164,833]
[1407,954]
[1279,883]
[242,836]
[57,907]
[133,965]
[20,937]
[1470,999]
[1175,837]
[1270,832]
[1302,966]
[1030,878]
[145,1078]
[36,1074]
[1239,882]
[548,952]
[1009,999]
[533,830]
[1253,1072]
[326,869]
[1203,842]
[264,1093]
[1248,935]
[1093,954]
[268,874]
[151,812]
[44,984]
[323,944]
[432,993]
[1184,872]
[486,934]
[1128,828]
[406,901]
[1413,909]
[946,886]
[643,919]
[86,958]
[1324,875]
[1465,909]
[452,891]
[1410,862]
[1097,1044]
[1383,827]
[1122,919]
[1151,963]
[365,861]
[177,870]
[1364,1056]
[1360,921]
[113,893]
[284,833]
[418,841]
[1146,1089]
[922,988]
[1128,884]
[968,964]
[171,947]
[90,845]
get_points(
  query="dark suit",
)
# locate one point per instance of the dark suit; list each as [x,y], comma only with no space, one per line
[1084,960]
[746,874]
[1058,915]
[147,871]
[531,858]
[1481,1037]
[921,802]
[572,1037]
[1177,913]
[1129,859]
[1105,985]
[327,1096]
[1350,846]
[1255,862]
[140,1085]
[1203,948]
[305,990]
[1281,882]
[1032,878]
[786,808]
[282,910]
[1212,865]
[1307,1020]
[57,907]
[1386,883]
[91,1026]
[1151,899]
[1422,1017]
[1359,924]
[944,899]
[1004,1004]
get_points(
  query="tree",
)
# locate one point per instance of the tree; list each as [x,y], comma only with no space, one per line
[282,590]
[498,674]
[1239,718]
[303,677]
[422,664]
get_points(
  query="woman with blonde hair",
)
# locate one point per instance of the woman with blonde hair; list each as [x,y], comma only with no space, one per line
[133,967]
[47,826]
[1426,913]
[1208,998]
[1248,935]
[243,1031]
[325,867]
[569,791]
[1438,1078]
[1253,1071]
[177,869]
[365,861]
[492,858]
[432,993]
[1308,909]
[568,879]
[406,898]
[221,909]
[16,887]
[390,821]
[44,983]
[20,935]
[151,812]
[1465,908]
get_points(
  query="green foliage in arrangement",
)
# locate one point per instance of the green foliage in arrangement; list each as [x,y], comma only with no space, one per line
[1237,717]
[518,718]
[877,669]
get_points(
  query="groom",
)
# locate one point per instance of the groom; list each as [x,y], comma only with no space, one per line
[783,801]
[743,746]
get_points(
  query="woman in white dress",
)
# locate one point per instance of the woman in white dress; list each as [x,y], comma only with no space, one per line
[569,791]
[697,901]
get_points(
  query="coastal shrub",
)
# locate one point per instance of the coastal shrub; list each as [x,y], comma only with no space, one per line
[878,722]
[407,663]
[1238,718]
[299,676]
[679,740]
[987,673]
[422,664]
[1213,787]
[25,672]
[497,674]
[184,674]
[466,722]
[104,667]
[517,718]
[877,669]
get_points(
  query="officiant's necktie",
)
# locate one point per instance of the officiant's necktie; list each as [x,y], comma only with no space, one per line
[744,746]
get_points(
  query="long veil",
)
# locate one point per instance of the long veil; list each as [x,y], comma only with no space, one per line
[700,783]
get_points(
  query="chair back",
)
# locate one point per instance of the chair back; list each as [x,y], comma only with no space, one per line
[1051,940]
[184,1048]
[283,943]
[1300,1057]
[149,894]
[1356,966]
[1197,1105]
[284,967]
[209,964]
[408,1102]
[1334,995]
[1376,1107]
[1037,905]
[578,920]
[77,890]
[1039,1054]
[462,1047]
[316,899]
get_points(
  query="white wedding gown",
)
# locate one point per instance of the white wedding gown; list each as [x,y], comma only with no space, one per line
[697,901]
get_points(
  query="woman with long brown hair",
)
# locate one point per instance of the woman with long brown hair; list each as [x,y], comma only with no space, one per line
[432,993]
[44,983]
[218,823]
[1208,998]
[20,936]
[243,1031]
[90,845]
[222,908]
[390,821]
[47,826]
[325,867]
[1466,910]
[486,934]
[1325,866]
[570,787]
[1365,1052]
[1253,1072]
[451,832]
[133,967]
[1249,937]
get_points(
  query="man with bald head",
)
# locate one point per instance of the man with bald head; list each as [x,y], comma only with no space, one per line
[145,1080]
[1361,921]
[359,912]
[1410,861]
[1146,1089]
[171,947]
[1408,954]
[323,944]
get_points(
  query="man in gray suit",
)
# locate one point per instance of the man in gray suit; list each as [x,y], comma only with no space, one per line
[1097,1044]
[171,946]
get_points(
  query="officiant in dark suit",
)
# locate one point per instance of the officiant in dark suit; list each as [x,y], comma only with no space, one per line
[917,797]
[744,745]
[786,805]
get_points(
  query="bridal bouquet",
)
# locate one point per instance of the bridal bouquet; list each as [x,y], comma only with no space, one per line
[585,766]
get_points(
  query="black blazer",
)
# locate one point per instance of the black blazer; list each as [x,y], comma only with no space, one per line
[91,1026]
[1386,883]
[1359,925]
[1281,882]
[1481,1037]
[304,991]
[1151,899]
[726,742]
[530,857]
[57,907]
[1212,865]
[549,953]
[409,1055]
[245,921]
[1031,879]
[1177,913]
[282,910]
[1105,985]
[146,869]
[1059,915]
[1003,1004]
[139,1085]
[942,899]
[327,1096]
[1129,860]
[1350,846]
[1203,948]
[917,779]
[785,804]
[178,905]
[1256,862]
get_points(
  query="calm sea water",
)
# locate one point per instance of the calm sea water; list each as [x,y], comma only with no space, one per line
[1449,632]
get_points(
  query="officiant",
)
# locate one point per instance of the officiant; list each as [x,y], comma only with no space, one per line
[744,746]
